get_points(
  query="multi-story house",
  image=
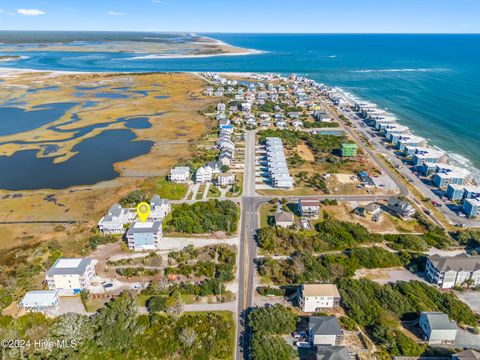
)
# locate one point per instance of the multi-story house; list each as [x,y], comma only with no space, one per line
[447,272]
[70,276]
[115,220]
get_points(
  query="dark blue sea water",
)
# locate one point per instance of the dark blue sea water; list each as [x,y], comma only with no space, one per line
[432,82]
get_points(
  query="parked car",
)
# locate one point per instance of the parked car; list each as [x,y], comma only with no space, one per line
[302,344]
[107,286]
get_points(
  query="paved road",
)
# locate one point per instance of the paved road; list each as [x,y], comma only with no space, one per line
[249,224]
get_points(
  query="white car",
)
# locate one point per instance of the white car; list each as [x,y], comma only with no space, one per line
[303,344]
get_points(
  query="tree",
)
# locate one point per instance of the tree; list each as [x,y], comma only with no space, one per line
[187,337]
[225,168]
[73,328]
[174,304]
[116,324]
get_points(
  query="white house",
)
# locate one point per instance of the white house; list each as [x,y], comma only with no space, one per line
[314,297]
[179,174]
[70,276]
[226,179]
[45,302]
[437,327]
[115,220]
[144,236]
[448,272]
[283,219]
[159,208]
[309,207]
[324,330]
[203,175]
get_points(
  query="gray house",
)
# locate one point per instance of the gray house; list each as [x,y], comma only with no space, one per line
[437,327]
[324,330]
[332,353]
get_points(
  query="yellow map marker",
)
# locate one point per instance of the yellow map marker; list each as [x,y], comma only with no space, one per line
[143,211]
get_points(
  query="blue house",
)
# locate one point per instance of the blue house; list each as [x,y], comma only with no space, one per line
[448,174]
[427,155]
[455,192]
[470,206]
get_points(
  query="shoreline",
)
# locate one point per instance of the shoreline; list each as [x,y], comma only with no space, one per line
[452,157]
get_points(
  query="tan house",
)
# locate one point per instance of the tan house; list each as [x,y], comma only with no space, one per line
[315,297]
[283,219]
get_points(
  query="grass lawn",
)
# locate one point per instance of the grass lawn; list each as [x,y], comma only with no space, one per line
[213,192]
[200,192]
[165,189]
[93,305]
[265,213]
[239,183]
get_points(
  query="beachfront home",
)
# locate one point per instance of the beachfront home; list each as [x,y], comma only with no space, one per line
[393,133]
[309,207]
[221,107]
[283,219]
[179,174]
[70,276]
[115,220]
[409,140]
[144,236]
[324,330]
[471,206]
[349,150]
[437,328]
[448,272]
[226,157]
[225,180]
[427,155]
[448,174]
[159,208]
[315,297]
[203,175]
[459,192]
[45,302]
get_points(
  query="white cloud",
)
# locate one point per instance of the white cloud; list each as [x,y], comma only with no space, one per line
[30,12]
[116,13]
[159,2]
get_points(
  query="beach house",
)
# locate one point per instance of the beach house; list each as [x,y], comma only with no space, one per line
[179,174]
[409,140]
[70,276]
[283,219]
[226,180]
[448,272]
[324,330]
[427,155]
[332,353]
[448,174]
[459,192]
[203,175]
[349,149]
[471,206]
[315,297]
[45,302]
[115,220]
[400,207]
[309,207]
[437,328]
[144,236]
[159,208]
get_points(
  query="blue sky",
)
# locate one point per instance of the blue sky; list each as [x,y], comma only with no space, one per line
[418,16]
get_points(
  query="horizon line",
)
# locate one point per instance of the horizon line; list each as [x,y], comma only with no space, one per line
[250,32]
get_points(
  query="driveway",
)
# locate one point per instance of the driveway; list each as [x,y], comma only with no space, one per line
[71,304]
[472,299]
[466,339]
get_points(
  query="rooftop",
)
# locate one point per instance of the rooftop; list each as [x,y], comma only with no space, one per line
[439,321]
[144,227]
[456,263]
[332,353]
[40,298]
[69,267]
[324,325]
[320,290]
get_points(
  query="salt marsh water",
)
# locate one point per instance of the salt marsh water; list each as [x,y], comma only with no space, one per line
[431,82]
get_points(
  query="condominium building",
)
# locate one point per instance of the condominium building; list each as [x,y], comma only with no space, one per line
[144,236]
[447,272]
[70,276]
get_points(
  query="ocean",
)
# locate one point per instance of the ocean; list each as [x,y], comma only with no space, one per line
[431,82]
